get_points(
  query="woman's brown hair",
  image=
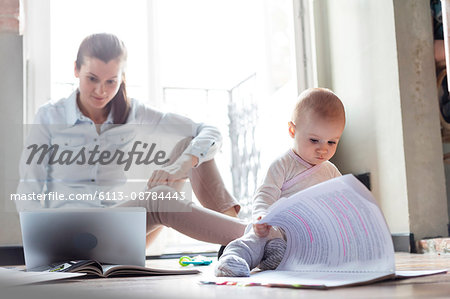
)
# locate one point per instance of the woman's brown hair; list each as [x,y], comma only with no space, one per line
[106,47]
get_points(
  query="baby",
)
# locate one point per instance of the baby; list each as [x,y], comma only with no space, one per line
[317,124]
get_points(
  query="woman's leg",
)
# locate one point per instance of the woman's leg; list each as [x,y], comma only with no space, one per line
[210,190]
[207,183]
[208,186]
[152,235]
[194,221]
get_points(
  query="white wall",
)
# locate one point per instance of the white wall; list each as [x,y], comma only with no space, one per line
[390,98]
[11,107]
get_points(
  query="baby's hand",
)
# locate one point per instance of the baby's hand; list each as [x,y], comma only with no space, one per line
[261,230]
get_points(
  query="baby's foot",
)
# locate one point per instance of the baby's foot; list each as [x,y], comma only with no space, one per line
[232,265]
[273,254]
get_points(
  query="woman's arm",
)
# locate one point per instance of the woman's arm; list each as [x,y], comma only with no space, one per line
[205,141]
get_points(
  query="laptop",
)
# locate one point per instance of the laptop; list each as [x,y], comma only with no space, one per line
[107,235]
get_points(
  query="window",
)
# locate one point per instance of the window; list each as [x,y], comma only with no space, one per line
[229,63]
[71,21]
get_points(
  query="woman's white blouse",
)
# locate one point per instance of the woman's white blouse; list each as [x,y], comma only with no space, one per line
[77,171]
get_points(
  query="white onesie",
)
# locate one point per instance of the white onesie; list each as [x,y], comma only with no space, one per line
[288,175]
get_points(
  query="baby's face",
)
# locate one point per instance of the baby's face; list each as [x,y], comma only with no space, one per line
[316,139]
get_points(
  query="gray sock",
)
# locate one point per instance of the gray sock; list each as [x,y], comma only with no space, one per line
[232,265]
[273,254]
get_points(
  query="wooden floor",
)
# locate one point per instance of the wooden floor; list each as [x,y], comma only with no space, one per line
[436,286]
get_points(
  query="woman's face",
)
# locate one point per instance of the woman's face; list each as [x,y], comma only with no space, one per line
[99,83]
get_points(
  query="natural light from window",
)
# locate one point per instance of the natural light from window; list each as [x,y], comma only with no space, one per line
[197,58]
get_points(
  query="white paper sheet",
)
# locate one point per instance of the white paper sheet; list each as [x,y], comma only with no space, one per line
[13,277]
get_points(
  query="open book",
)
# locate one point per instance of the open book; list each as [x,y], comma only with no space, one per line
[336,236]
[93,268]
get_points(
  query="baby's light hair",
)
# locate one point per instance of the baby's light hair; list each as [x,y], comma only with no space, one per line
[321,101]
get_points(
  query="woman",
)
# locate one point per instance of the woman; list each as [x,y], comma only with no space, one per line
[74,136]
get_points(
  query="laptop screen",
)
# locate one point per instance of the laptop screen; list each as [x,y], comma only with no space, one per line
[107,235]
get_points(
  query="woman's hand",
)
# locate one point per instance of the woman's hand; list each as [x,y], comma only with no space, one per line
[174,174]
[262,229]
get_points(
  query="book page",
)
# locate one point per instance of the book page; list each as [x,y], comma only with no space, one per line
[316,279]
[12,277]
[335,226]
[118,270]
[89,267]
[417,273]
[295,279]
